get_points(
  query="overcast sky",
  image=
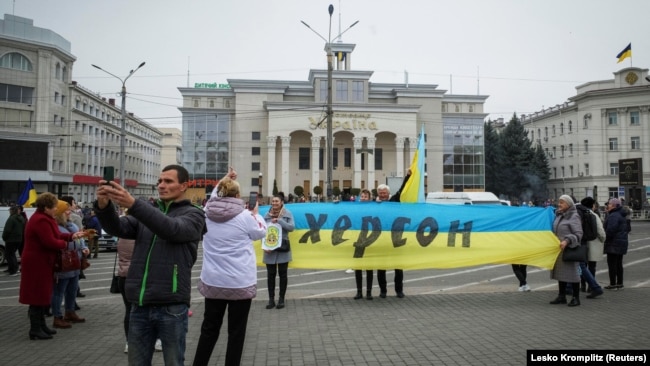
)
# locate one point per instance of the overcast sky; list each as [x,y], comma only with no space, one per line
[524,54]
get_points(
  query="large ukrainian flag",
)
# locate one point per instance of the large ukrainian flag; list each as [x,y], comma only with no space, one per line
[386,235]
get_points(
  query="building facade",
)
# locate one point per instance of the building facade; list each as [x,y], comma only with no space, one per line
[274,132]
[56,132]
[587,137]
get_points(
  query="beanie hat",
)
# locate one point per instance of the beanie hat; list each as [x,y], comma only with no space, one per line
[61,207]
[588,202]
[566,198]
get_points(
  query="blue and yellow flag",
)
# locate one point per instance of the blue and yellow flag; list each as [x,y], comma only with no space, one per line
[28,197]
[414,188]
[388,235]
[627,52]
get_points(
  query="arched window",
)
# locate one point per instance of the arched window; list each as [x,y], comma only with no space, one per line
[64,74]
[562,128]
[57,71]
[15,60]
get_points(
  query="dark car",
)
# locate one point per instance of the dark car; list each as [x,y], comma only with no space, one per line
[107,241]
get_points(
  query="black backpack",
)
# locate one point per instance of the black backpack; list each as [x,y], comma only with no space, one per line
[589,225]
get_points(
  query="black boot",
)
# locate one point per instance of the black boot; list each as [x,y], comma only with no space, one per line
[280,303]
[271,303]
[44,325]
[575,302]
[369,295]
[560,299]
[358,295]
[35,331]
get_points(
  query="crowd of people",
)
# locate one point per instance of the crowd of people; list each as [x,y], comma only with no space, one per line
[158,246]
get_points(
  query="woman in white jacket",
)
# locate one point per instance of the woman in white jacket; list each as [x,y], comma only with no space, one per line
[229,273]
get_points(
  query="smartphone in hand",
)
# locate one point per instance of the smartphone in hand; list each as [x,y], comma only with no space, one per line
[252,200]
[109,174]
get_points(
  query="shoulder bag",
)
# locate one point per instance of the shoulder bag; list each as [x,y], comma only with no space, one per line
[575,254]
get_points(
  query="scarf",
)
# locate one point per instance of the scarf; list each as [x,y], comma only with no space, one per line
[275,213]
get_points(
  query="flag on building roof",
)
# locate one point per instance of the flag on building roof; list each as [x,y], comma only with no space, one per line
[414,188]
[28,197]
[627,52]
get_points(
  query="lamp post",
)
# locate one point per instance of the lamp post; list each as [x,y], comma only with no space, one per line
[259,183]
[330,68]
[123,126]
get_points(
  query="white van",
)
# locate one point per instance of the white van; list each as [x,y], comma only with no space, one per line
[4,215]
[463,198]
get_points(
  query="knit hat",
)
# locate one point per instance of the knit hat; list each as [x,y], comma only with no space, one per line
[588,202]
[61,207]
[615,201]
[566,198]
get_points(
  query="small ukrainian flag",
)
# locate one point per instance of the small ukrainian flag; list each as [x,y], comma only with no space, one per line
[627,52]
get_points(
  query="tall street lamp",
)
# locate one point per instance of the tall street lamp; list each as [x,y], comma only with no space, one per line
[330,68]
[123,127]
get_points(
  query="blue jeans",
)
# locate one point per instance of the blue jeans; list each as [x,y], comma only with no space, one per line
[146,323]
[588,276]
[64,288]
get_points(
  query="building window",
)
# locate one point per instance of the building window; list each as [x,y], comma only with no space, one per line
[562,128]
[457,109]
[585,122]
[553,130]
[562,172]
[358,92]
[613,168]
[62,99]
[554,173]
[56,117]
[211,103]
[471,108]
[303,158]
[342,90]
[56,97]
[57,71]
[612,118]
[586,146]
[554,151]
[347,157]
[321,159]
[379,158]
[613,144]
[586,169]
[256,136]
[634,118]
[546,131]
[570,126]
[570,170]
[255,166]
[195,103]
[255,151]
[323,90]
[15,61]
[444,107]
[635,143]
[335,157]
[570,149]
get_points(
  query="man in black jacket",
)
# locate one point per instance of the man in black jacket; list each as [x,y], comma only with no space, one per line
[158,283]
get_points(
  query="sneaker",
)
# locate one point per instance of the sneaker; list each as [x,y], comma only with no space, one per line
[126,347]
[521,289]
[526,288]
[349,271]
[158,346]
[13,274]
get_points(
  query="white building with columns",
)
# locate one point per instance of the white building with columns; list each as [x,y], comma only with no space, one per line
[276,131]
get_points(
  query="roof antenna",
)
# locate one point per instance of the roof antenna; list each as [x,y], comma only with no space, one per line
[340,38]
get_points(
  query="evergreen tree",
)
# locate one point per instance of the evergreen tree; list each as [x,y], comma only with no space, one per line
[494,159]
[518,170]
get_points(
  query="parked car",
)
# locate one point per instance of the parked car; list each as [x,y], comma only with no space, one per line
[107,241]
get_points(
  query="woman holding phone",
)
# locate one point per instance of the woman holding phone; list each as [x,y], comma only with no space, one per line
[229,273]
